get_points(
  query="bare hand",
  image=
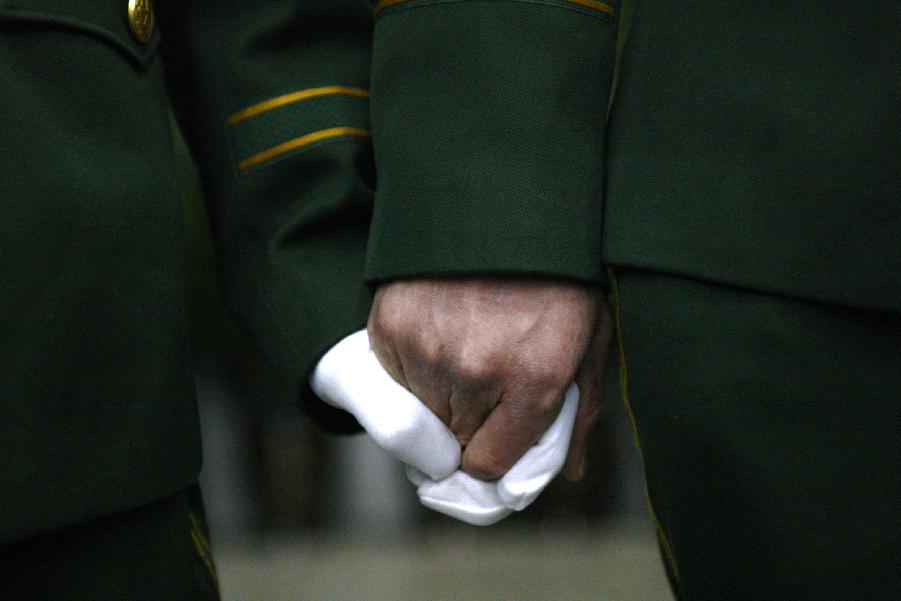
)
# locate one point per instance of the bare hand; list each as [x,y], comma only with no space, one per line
[493,359]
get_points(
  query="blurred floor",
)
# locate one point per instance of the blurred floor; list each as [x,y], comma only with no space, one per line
[606,564]
[370,540]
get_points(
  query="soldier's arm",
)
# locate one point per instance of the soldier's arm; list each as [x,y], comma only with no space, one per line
[488,120]
[273,100]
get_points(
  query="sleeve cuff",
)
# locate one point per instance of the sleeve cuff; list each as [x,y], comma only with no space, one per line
[488,125]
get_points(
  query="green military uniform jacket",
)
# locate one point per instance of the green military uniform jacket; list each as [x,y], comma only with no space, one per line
[752,151]
[97,409]
[751,145]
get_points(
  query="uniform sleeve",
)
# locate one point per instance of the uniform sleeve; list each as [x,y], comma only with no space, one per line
[273,100]
[488,122]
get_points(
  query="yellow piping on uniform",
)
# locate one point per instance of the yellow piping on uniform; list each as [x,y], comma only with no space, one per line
[202,547]
[300,142]
[596,5]
[383,4]
[268,105]
[592,4]
[624,387]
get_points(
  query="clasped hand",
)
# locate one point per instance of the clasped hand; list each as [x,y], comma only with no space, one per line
[476,386]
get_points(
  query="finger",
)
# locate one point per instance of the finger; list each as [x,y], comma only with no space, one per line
[585,420]
[465,498]
[470,406]
[529,476]
[412,359]
[426,380]
[509,431]
[407,353]
[590,380]
[390,361]
[382,337]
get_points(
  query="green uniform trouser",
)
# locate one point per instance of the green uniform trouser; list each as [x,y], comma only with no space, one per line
[769,432]
[159,552]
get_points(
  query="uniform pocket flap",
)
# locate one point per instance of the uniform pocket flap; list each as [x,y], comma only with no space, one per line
[131,31]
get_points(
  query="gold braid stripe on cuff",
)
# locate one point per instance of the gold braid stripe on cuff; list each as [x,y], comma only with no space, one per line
[592,4]
[300,142]
[293,97]
[596,5]
[383,4]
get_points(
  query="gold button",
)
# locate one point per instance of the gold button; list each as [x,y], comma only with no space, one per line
[140,19]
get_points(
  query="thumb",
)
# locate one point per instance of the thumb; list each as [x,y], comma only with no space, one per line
[589,378]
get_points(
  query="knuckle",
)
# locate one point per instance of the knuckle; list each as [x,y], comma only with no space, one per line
[435,405]
[385,324]
[546,409]
[429,350]
[543,378]
[535,405]
[532,418]
[463,428]
[484,464]
[477,368]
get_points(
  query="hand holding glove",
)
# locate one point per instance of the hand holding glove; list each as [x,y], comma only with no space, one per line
[350,377]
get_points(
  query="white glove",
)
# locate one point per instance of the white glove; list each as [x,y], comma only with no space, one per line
[483,503]
[350,377]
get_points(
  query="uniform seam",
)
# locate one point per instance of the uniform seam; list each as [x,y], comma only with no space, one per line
[570,5]
[202,547]
[665,543]
[140,53]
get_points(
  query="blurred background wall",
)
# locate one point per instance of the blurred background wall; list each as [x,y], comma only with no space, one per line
[297,514]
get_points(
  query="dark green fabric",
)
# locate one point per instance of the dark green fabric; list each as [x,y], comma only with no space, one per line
[290,234]
[758,145]
[105,19]
[769,433]
[97,403]
[488,126]
[754,145]
[157,552]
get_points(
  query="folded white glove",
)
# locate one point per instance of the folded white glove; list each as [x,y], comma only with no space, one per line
[350,377]
[483,503]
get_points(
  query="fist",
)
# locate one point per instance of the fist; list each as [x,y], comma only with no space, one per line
[493,359]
